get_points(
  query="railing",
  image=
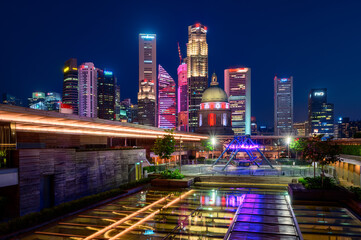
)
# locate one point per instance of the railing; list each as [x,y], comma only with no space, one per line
[173,233]
[298,230]
[231,226]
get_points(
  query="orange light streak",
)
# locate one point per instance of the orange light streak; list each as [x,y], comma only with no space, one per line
[85,124]
[124,219]
[89,132]
[149,216]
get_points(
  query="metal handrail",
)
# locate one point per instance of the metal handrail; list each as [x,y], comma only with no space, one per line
[182,222]
[298,230]
[230,229]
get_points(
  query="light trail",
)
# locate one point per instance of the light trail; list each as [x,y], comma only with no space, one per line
[150,216]
[96,234]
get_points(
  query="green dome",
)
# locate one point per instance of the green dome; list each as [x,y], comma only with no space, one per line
[214,94]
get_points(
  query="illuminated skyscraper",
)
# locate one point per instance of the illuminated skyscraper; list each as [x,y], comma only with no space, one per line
[117,102]
[70,84]
[320,113]
[237,84]
[182,98]
[197,70]
[166,100]
[106,94]
[87,74]
[147,101]
[283,106]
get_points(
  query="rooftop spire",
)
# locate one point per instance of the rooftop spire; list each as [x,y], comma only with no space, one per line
[214,80]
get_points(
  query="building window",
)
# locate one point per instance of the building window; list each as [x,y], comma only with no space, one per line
[211,119]
[200,120]
[224,119]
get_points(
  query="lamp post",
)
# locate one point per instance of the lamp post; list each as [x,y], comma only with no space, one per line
[288,141]
[213,142]
[180,154]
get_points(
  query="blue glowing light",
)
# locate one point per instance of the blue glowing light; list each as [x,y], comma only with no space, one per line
[147,37]
[107,73]
[148,232]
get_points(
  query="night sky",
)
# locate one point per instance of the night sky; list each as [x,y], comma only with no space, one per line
[317,42]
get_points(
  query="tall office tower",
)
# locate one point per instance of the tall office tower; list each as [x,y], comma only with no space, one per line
[88,90]
[106,94]
[166,100]
[197,70]
[320,113]
[117,102]
[283,106]
[182,98]
[237,85]
[70,84]
[147,100]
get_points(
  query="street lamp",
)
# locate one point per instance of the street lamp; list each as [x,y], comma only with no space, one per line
[288,142]
[213,142]
[180,154]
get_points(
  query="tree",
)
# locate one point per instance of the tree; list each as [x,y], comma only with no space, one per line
[298,145]
[322,152]
[165,146]
[207,145]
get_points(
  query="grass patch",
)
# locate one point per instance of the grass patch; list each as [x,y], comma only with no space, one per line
[47,214]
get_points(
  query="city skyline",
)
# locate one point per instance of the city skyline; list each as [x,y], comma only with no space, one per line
[330,61]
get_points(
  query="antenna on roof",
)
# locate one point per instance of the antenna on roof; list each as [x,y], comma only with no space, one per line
[180,54]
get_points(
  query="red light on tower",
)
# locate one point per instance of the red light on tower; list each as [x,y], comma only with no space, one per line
[205,28]
[197,24]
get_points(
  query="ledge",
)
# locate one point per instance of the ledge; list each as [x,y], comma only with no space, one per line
[298,192]
[174,183]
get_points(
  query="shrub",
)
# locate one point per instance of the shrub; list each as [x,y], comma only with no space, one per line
[316,183]
[168,174]
[356,191]
[351,150]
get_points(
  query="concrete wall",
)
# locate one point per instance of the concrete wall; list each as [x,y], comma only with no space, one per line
[75,173]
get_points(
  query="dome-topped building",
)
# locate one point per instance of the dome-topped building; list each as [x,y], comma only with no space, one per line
[214,114]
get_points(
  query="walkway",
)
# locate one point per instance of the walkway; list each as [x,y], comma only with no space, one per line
[264,216]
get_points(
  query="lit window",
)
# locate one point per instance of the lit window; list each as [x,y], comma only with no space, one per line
[224,119]
[212,119]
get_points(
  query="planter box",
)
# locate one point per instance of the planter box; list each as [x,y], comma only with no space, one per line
[173,183]
[298,192]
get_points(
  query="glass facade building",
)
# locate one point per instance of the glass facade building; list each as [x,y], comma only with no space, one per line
[182,98]
[166,100]
[147,100]
[283,106]
[70,84]
[237,85]
[106,94]
[197,70]
[320,113]
[88,90]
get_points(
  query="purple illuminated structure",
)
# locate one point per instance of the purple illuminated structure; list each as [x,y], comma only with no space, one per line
[166,100]
[245,144]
